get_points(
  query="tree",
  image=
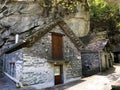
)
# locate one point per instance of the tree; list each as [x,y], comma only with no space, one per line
[105,17]
[61,7]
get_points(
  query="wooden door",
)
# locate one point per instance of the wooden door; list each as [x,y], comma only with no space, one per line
[57,46]
[58,71]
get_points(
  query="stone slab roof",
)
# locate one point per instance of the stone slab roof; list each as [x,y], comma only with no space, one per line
[97,45]
[95,41]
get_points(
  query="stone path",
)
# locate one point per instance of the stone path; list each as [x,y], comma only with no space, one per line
[102,81]
[7,84]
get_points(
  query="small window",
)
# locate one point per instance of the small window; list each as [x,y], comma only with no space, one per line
[57,70]
[12,69]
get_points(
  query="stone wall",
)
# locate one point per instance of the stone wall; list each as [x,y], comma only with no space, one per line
[94,62]
[1,65]
[105,63]
[107,60]
[71,54]
[13,64]
[90,63]
[38,70]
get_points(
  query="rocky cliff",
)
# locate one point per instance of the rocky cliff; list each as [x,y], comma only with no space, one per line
[24,18]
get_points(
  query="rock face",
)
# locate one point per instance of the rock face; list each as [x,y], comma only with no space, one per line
[19,18]
[80,22]
[23,17]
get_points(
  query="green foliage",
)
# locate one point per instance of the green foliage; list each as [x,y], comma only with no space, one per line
[60,7]
[104,15]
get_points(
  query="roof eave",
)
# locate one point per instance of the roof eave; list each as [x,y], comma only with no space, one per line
[13,48]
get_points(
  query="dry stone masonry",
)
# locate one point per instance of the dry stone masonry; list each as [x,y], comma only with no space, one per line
[33,66]
[32,63]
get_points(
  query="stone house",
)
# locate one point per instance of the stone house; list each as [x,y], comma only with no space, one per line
[96,58]
[47,58]
[42,51]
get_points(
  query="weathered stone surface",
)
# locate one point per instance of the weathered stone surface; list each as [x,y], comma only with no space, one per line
[19,18]
[97,46]
[32,64]
[1,66]
[90,63]
[16,70]
[1,41]
[80,22]
[23,17]
[41,52]
[94,62]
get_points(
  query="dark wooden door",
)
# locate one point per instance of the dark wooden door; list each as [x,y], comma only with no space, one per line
[58,71]
[57,45]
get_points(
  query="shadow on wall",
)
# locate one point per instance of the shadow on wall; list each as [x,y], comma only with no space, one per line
[8,84]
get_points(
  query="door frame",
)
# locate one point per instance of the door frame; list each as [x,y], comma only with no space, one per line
[61,74]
